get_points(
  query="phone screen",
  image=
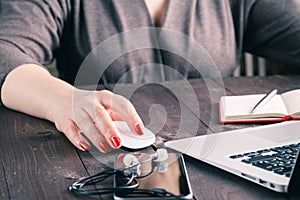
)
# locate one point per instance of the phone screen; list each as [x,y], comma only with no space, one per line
[170,175]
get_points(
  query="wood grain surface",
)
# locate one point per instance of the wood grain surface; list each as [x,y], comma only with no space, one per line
[38,162]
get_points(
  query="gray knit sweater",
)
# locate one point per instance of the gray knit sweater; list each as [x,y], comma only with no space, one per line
[37,31]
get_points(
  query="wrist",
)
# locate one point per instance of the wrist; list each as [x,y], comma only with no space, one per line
[59,100]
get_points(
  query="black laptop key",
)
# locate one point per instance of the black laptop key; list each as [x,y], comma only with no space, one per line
[264,151]
[236,156]
[288,174]
[277,149]
[251,154]
[260,158]
[246,161]
[263,165]
[284,170]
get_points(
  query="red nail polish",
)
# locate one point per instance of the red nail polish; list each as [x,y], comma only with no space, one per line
[84,145]
[139,129]
[104,147]
[116,141]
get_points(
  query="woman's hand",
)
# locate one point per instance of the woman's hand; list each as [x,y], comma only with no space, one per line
[92,113]
[33,90]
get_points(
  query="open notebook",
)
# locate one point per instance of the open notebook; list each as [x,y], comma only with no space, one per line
[237,109]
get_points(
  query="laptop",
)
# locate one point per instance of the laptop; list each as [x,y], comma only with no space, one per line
[266,155]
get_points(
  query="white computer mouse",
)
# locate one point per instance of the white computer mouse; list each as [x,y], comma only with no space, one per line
[132,140]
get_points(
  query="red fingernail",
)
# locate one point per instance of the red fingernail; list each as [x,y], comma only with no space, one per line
[105,147]
[139,129]
[84,145]
[112,116]
[116,141]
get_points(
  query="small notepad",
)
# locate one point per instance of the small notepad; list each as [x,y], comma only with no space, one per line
[237,109]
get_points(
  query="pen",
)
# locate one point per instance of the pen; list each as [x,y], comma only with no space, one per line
[264,100]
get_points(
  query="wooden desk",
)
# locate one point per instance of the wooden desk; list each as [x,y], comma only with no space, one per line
[38,162]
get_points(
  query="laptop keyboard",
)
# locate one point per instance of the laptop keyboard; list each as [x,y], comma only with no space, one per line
[280,160]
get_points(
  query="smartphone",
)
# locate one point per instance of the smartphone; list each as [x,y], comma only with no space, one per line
[169,175]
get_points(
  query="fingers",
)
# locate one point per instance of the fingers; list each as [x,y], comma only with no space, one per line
[99,127]
[121,109]
[102,125]
[89,129]
[78,137]
[72,132]
[91,121]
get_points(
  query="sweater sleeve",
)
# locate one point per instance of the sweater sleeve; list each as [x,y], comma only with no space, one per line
[30,32]
[273,30]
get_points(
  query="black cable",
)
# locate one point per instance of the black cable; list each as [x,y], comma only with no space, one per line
[130,187]
[126,185]
[155,192]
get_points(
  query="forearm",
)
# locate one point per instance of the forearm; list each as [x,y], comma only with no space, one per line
[33,90]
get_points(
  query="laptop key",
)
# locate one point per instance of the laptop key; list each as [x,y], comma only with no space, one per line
[246,161]
[283,171]
[236,156]
[251,154]
[262,165]
[259,158]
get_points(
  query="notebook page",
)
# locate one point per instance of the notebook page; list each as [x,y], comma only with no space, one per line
[242,106]
[292,101]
